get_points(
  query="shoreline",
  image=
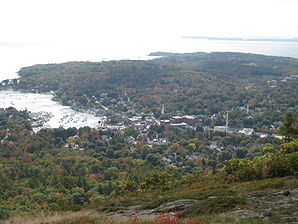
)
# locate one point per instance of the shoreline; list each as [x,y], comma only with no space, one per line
[37,103]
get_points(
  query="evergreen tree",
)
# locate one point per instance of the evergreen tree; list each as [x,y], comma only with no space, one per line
[289,128]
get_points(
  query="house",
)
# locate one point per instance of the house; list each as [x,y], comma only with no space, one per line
[183,124]
[220,128]
[262,135]
[246,131]
[278,136]
[225,129]
[188,119]
[165,121]
[272,83]
[214,146]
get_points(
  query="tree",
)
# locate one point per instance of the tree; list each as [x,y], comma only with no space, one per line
[289,128]
[224,155]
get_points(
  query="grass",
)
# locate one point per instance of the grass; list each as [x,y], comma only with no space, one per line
[213,206]
[265,184]
[215,200]
[186,193]
[93,217]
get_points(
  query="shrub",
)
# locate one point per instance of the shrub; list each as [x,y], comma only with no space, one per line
[167,218]
[276,166]
[269,165]
[158,179]
[290,147]
[243,169]
[4,212]
[234,165]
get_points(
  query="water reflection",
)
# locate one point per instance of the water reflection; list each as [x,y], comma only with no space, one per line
[53,113]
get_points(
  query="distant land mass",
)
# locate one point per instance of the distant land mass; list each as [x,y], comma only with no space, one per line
[243,38]
[189,84]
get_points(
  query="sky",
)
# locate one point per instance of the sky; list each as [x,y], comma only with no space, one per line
[70,21]
[54,31]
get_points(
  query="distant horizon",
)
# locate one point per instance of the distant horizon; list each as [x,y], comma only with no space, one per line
[274,39]
[239,38]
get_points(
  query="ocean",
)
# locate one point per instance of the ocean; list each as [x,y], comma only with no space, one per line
[53,114]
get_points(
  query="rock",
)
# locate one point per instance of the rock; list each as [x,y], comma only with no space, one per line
[268,214]
[246,214]
[282,193]
[147,212]
[256,196]
[289,220]
[212,197]
[286,193]
[175,205]
[133,207]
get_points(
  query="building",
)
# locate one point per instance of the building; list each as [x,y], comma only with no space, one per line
[220,128]
[246,131]
[188,119]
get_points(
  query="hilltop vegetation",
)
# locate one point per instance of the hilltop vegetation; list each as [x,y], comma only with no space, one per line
[150,162]
[70,169]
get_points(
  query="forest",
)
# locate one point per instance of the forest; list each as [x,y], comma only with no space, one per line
[73,169]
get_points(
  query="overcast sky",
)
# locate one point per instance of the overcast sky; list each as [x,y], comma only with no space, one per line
[59,21]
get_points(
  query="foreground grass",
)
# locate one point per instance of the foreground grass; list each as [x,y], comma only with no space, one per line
[92,217]
[215,202]
[202,190]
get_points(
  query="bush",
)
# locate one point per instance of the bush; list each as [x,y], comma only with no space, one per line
[243,169]
[158,179]
[290,147]
[4,212]
[276,166]
[267,166]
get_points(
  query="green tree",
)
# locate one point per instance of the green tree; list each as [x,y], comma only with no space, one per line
[289,128]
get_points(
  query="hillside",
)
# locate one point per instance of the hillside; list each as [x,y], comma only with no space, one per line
[188,138]
[88,176]
[96,172]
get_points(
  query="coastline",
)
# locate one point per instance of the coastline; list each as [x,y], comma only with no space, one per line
[39,103]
